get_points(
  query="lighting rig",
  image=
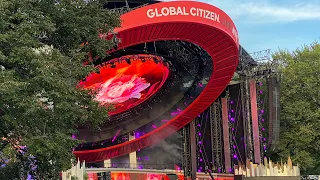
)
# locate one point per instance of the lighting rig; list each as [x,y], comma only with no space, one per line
[258,66]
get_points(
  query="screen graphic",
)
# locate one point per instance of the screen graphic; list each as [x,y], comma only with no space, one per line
[127,81]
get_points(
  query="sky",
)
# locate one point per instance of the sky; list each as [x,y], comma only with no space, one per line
[273,24]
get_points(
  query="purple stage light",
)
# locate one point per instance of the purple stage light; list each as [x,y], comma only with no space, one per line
[263,129]
[164,120]
[200,142]
[74,136]
[259,83]
[199,133]
[234,146]
[137,134]
[175,113]
[198,125]
[232,119]
[232,129]
[232,110]
[235,156]
[201,160]
[179,109]
[154,126]
[231,102]
[262,120]
[261,111]
[115,136]
[200,150]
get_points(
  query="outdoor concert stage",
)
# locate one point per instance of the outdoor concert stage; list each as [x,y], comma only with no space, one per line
[172,61]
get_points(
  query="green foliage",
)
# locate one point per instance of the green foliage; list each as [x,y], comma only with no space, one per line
[40,66]
[300,102]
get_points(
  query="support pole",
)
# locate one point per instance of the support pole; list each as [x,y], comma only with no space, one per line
[226,139]
[245,102]
[193,150]
[255,123]
[133,155]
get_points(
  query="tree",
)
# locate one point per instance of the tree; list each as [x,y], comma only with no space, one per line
[300,103]
[42,48]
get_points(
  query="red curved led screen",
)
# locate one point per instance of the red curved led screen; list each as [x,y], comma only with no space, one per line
[202,24]
[127,81]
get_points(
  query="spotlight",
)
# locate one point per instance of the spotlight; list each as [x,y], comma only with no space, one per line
[155,60]
[113,65]
[128,61]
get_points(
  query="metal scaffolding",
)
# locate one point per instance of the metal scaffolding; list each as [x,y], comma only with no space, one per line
[186,152]
[216,141]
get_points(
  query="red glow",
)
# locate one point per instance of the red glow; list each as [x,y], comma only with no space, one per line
[125,86]
[149,176]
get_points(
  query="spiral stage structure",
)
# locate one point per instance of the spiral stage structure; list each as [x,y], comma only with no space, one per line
[172,60]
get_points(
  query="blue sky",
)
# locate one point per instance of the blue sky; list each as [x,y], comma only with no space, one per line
[273,24]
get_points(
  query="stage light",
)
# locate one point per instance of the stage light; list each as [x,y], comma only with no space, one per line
[128,61]
[113,65]
[156,60]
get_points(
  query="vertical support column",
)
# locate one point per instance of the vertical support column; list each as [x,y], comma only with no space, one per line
[107,163]
[255,123]
[226,139]
[133,155]
[245,102]
[274,111]
[193,150]
[216,142]
[186,152]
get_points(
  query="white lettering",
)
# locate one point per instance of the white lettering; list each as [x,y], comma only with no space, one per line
[179,11]
[157,13]
[150,13]
[183,11]
[172,11]
[207,14]
[192,11]
[217,17]
[165,11]
[201,12]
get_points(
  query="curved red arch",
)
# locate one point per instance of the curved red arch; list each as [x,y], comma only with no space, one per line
[211,29]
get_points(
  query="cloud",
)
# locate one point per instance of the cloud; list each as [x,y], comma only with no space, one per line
[266,12]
